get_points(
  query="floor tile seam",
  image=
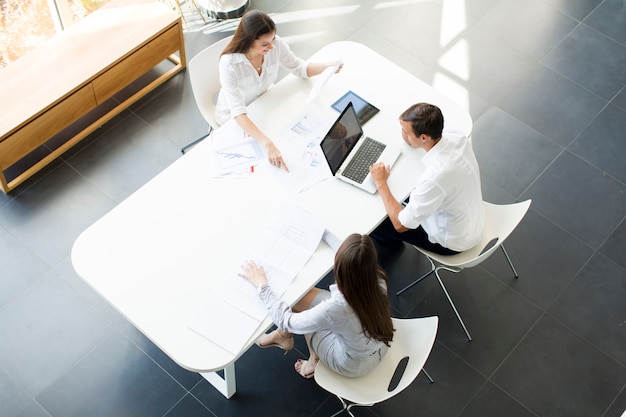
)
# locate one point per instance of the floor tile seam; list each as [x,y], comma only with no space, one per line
[510,287]
[583,88]
[190,394]
[543,171]
[30,251]
[95,185]
[442,50]
[567,232]
[144,101]
[608,103]
[538,57]
[541,62]
[22,389]
[366,22]
[604,107]
[488,378]
[614,402]
[329,397]
[96,135]
[564,13]
[398,47]
[487,381]
[591,344]
[145,122]
[615,96]
[497,107]
[609,235]
[565,288]
[30,182]
[9,197]
[566,36]
[174,406]
[71,367]
[471,399]
[130,340]
[460,358]
[203,404]
[571,281]
[602,171]
[600,33]
[577,135]
[584,21]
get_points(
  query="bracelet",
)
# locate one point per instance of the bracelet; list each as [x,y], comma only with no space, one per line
[260,287]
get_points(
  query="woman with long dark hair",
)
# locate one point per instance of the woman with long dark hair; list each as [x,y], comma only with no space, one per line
[348,328]
[249,66]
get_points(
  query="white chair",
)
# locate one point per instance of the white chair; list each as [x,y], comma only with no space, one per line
[413,339]
[500,221]
[205,83]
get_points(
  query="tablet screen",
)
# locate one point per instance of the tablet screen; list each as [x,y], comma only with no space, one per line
[363,108]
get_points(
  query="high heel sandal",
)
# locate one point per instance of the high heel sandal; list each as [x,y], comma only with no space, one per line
[303,364]
[277,338]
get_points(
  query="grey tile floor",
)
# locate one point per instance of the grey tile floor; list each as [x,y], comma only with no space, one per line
[544,81]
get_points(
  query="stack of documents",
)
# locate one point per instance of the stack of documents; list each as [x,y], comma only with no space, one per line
[233,312]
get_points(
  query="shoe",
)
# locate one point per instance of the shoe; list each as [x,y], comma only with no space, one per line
[303,365]
[276,338]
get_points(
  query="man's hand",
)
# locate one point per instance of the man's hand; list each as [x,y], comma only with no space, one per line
[380,173]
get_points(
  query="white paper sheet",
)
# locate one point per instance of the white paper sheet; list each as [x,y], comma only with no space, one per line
[233,310]
[320,81]
[301,150]
[233,151]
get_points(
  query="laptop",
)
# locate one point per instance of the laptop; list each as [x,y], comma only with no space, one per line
[349,153]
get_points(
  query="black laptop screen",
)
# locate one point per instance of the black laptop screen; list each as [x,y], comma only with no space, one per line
[341,138]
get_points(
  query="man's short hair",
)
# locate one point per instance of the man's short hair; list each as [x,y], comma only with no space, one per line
[424,118]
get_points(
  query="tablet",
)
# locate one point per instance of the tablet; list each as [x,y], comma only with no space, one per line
[364,109]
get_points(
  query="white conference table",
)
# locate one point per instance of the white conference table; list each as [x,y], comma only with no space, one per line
[158,254]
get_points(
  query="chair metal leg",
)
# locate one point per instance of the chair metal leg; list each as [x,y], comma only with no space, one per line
[432,381]
[509,260]
[450,299]
[432,269]
[347,407]
[195,142]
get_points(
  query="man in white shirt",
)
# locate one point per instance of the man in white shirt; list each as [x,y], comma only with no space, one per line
[444,213]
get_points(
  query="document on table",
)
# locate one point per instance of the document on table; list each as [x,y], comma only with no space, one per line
[233,151]
[320,81]
[233,310]
[302,153]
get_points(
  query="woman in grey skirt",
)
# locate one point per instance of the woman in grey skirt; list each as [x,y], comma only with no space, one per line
[348,327]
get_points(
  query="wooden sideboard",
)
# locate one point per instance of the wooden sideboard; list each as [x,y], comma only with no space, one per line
[54,88]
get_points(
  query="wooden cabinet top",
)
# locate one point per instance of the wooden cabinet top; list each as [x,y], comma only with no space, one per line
[74,57]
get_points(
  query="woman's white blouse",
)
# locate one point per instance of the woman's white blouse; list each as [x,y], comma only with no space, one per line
[333,315]
[242,84]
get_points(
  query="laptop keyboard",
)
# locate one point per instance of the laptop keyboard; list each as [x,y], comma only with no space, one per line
[359,166]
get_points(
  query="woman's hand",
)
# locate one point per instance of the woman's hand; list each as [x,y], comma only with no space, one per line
[273,156]
[339,65]
[253,273]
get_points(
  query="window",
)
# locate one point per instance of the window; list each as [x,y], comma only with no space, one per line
[27,24]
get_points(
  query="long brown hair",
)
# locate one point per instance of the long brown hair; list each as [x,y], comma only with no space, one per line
[253,24]
[357,275]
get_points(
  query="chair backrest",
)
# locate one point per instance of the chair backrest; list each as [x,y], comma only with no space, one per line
[500,221]
[205,80]
[413,338]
